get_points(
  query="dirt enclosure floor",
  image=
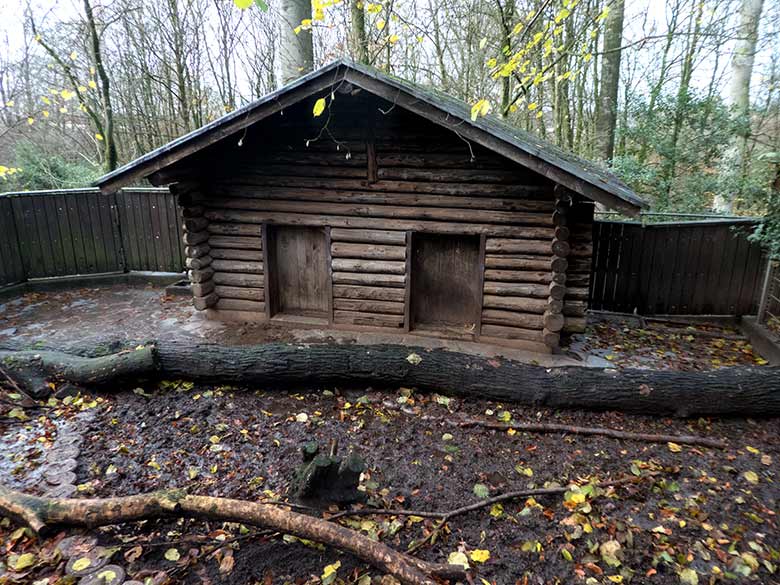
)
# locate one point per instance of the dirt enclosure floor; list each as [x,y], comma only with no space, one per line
[690,515]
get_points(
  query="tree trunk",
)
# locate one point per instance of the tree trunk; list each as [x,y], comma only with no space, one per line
[296,53]
[743,391]
[739,94]
[358,32]
[32,369]
[733,391]
[112,158]
[606,113]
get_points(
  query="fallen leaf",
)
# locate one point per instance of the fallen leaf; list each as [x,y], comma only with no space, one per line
[24,561]
[674,447]
[479,555]
[481,490]
[689,577]
[458,558]
[81,564]
[172,555]
[751,476]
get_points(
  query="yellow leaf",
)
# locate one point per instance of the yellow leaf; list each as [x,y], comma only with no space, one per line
[752,450]
[577,498]
[674,447]
[91,83]
[751,476]
[99,136]
[481,108]
[73,56]
[81,564]
[480,555]
[66,94]
[106,576]
[172,555]
[393,39]
[615,578]
[319,107]
[380,24]
[331,569]
[532,106]
[30,121]
[243,4]
[45,113]
[458,558]
[24,561]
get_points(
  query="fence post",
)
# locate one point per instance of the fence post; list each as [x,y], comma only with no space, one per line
[118,227]
[762,302]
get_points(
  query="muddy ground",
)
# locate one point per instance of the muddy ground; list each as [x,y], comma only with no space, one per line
[137,312]
[694,515]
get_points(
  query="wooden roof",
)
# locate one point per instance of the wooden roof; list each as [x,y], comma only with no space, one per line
[575,173]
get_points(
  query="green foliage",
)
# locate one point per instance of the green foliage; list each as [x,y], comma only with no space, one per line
[42,170]
[768,233]
[676,172]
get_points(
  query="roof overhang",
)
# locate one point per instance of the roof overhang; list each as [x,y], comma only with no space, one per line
[545,159]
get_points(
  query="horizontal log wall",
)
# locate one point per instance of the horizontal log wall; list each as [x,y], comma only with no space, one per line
[369,277]
[372,190]
[578,273]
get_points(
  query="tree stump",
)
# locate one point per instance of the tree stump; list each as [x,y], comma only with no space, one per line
[328,479]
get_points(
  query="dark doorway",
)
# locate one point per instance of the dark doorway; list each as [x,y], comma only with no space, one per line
[445,282]
[298,271]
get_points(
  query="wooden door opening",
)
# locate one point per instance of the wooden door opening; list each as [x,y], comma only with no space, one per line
[298,272]
[446,284]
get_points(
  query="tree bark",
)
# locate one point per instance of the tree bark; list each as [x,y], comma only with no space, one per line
[745,391]
[112,158]
[32,369]
[606,112]
[739,94]
[729,391]
[296,53]
[358,32]
[39,513]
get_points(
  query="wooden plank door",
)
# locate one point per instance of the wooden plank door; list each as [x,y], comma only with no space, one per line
[446,291]
[298,271]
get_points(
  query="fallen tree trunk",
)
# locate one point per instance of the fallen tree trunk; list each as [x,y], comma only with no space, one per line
[746,391]
[33,369]
[39,513]
[738,391]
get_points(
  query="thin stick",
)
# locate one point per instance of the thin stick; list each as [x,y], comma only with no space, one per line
[615,434]
[445,516]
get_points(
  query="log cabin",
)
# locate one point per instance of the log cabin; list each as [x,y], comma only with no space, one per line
[392,210]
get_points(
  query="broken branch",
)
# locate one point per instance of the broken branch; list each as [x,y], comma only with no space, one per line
[38,513]
[613,433]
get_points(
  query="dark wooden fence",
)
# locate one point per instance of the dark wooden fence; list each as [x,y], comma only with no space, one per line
[80,231]
[691,268]
[681,268]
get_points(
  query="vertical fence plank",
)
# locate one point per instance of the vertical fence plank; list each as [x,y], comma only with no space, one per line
[686,268]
